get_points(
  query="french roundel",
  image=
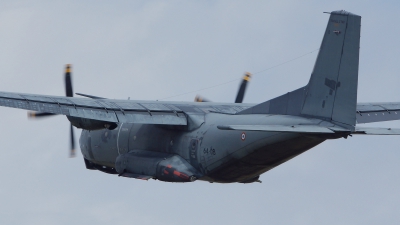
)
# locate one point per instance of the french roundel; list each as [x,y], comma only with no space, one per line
[243,136]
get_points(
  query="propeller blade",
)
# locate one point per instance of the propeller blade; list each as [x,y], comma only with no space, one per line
[68,81]
[242,88]
[90,96]
[198,98]
[34,115]
[72,150]
[68,93]
[240,94]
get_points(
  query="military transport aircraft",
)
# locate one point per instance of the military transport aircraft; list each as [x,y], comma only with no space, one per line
[222,142]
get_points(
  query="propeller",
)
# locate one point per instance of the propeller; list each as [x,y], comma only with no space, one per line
[39,114]
[240,94]
[68,93]
[198,98]
[90,96]
[242,88]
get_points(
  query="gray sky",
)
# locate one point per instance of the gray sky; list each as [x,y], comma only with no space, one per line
[153,50]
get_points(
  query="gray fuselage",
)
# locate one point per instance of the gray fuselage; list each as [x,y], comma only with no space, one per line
[222,156]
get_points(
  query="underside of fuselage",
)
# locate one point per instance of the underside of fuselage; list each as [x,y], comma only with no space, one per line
[261,160]
[244,169]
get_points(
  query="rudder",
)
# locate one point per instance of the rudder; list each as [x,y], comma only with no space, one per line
[331,93]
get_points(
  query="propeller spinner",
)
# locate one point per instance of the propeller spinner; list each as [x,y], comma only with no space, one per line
[68,93]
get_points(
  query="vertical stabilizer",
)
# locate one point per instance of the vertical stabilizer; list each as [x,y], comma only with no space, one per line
[331,93]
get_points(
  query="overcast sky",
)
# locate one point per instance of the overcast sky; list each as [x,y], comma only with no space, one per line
[158,49]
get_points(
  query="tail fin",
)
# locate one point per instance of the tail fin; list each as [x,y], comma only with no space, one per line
[332,90]
[331,93]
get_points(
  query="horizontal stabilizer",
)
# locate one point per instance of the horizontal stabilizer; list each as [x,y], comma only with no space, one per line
[376,131]
[282,128]
[377,112]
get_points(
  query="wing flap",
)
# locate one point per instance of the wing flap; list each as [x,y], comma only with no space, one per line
[94,114]
[166,118]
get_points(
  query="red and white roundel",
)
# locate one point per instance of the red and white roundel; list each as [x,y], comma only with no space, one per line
[243,136]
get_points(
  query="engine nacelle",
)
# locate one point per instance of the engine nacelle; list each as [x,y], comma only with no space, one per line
[158,165]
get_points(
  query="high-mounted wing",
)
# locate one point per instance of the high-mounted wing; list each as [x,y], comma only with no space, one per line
[97,109]
[377,112]
[154,112]
[117,111]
